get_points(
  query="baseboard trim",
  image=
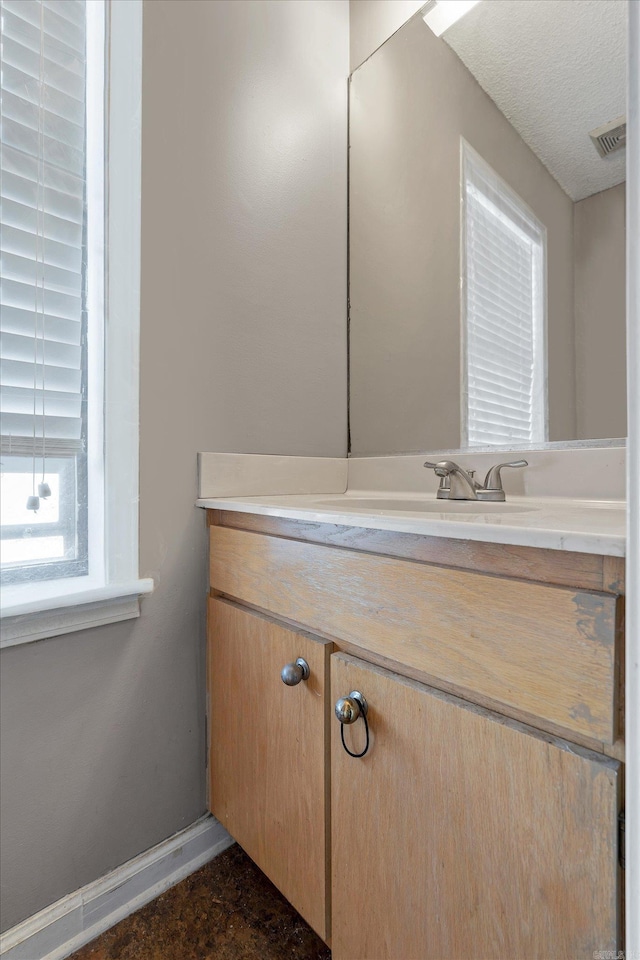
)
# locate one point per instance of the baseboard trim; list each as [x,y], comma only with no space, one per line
[65,926]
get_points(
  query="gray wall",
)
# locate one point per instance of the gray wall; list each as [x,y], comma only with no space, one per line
[410,103]
[600,314]
[243,349]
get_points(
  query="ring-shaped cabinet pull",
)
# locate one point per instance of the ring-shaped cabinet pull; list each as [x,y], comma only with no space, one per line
[348,710]
[293,673]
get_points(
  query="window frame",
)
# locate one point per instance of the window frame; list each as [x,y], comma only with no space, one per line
[111,590]
[471,159]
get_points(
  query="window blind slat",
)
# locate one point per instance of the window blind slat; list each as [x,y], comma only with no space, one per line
[494,259]
[497,409]
[26,112]
[503,324]
[13,293]
[25,40]
[23,137]
[16,373]
[501,346]
[55,228]
[42,171]
[496,414]
[505,395]
[499,251]
[24,167]
[483,386]
[19,446]
[494,262]
[57,404]
[28,16]
[14,346]
[72,10]
[22,425]
[504,283]
[23,244]
[14,320]
[59,105]
[59,77]
[502,202]
[27,271]
[64,206]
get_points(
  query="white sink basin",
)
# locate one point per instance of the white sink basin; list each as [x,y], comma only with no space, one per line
[424,506]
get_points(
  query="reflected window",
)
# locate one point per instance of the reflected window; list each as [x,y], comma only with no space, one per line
[503,260]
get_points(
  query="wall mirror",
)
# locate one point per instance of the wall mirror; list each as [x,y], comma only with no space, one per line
[486,230]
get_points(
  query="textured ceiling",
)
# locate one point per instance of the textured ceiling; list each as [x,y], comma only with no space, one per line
[556,69]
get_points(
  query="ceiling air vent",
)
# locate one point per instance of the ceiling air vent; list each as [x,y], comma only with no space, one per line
[611,137]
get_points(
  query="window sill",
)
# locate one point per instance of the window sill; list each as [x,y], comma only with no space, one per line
[28,616]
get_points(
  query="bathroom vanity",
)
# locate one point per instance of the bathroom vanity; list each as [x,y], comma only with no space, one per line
[484,819]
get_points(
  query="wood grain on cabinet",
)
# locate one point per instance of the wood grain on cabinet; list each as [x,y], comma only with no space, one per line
[465,835]
[268,752]
[548,651]
[585,570]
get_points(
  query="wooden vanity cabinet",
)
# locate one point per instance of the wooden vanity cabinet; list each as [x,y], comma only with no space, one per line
[483,822]
[462,835]
[268,750]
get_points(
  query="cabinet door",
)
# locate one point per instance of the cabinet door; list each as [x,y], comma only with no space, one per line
[267,751]
[464,835]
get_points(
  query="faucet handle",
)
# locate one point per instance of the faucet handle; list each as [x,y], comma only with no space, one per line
[493,480]
[443,467]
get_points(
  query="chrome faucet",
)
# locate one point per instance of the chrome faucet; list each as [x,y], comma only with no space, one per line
[459,484]
[455,483]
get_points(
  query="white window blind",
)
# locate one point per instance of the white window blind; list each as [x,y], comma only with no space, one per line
[70,119]
[504,263]
[43,226]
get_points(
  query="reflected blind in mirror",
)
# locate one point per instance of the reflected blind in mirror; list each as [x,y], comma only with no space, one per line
[503,311]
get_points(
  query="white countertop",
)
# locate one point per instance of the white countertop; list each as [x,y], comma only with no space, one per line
[578,526]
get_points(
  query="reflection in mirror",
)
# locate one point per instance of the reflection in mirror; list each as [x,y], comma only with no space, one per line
[503,311]
[487,254]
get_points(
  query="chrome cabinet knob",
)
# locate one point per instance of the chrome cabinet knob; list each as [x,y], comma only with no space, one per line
[293,673]
[349,709]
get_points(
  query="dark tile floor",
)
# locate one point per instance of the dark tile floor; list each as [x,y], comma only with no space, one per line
[228,910]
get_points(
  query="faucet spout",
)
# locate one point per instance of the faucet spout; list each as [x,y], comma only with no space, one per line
[461,485]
